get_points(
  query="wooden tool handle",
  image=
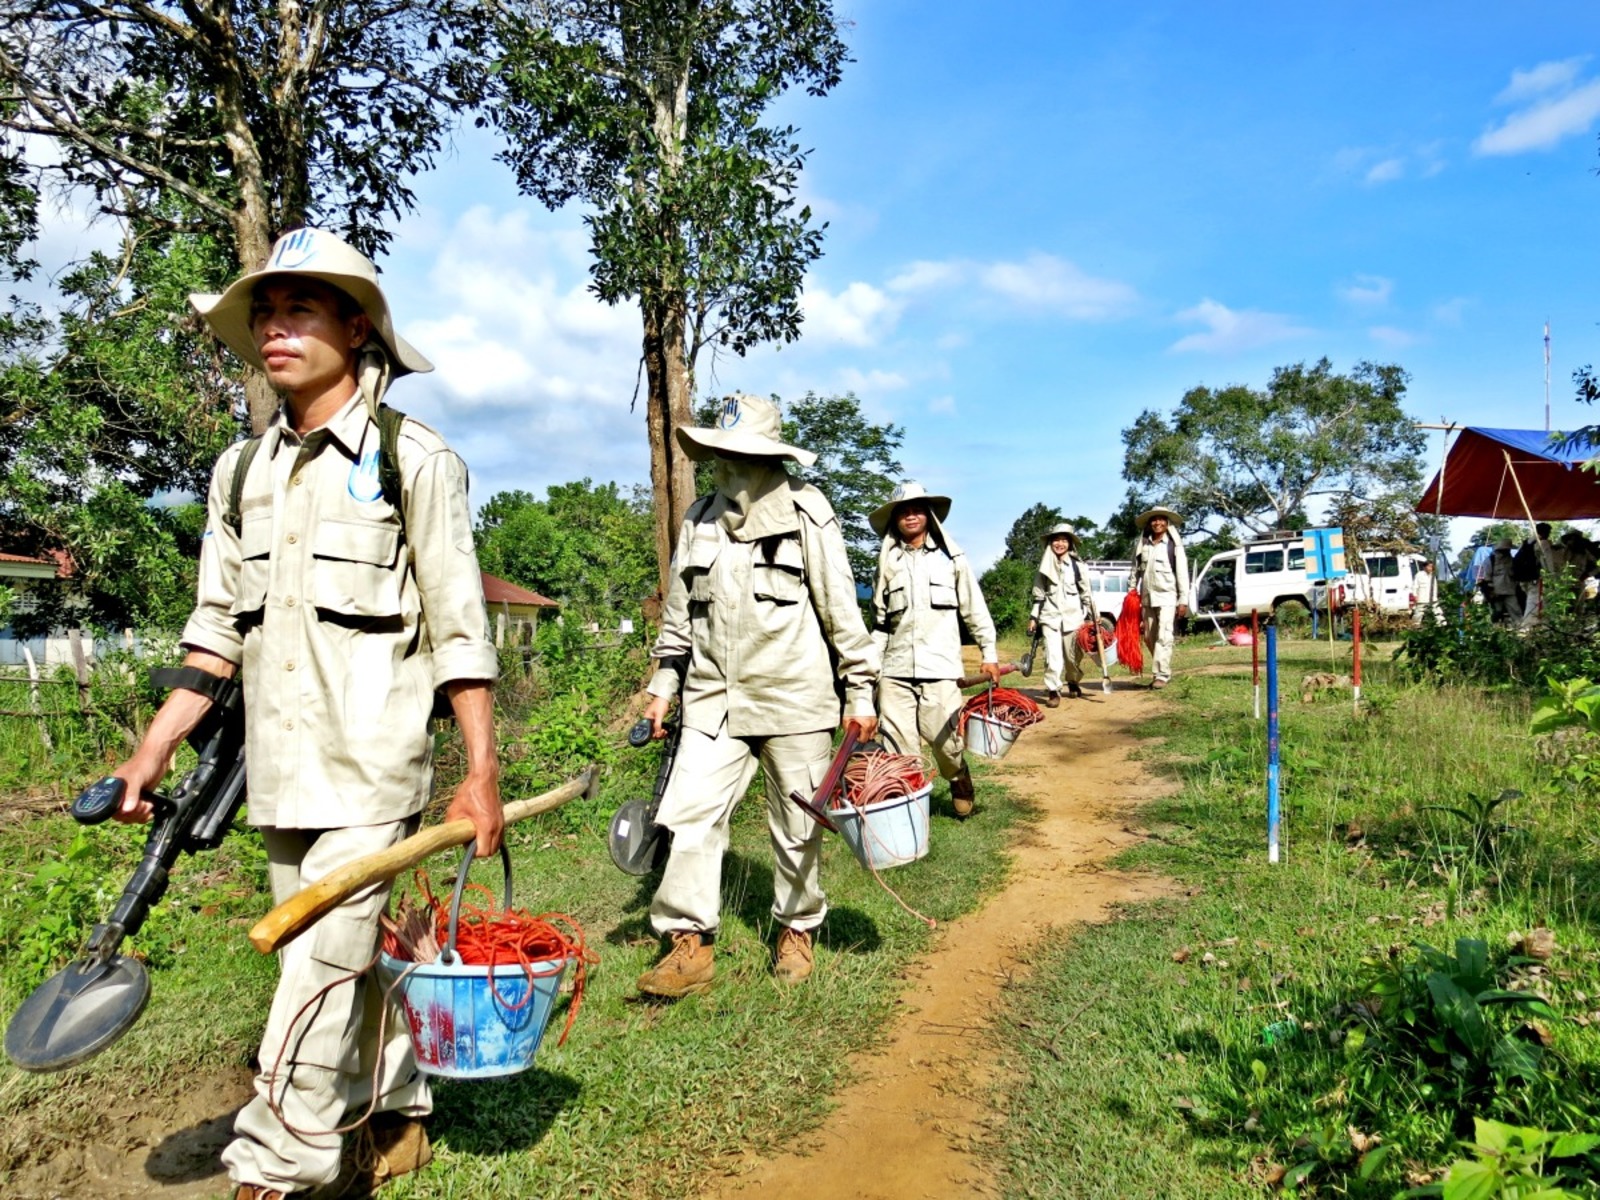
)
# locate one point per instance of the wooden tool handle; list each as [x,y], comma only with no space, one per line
[291,918]
[967,681]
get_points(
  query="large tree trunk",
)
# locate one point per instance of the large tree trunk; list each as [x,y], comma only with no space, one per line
[668,408]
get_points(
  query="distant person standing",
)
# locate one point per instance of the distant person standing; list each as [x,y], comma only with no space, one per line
[1161,574]
[1502,582]
[1062,602]
[924,593]
[1425,591]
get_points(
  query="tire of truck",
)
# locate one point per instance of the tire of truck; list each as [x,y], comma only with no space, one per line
[1291,611]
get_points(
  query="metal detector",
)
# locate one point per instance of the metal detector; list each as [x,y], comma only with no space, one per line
[637,844]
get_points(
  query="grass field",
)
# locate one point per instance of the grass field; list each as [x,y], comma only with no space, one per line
[1148,1065]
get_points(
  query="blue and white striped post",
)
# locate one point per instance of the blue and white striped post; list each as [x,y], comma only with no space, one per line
[1272,741]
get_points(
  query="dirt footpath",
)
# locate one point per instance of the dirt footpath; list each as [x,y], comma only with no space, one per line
[912,1125]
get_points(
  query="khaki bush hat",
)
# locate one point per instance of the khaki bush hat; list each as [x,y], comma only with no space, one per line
[745,425]
[1066,531]
[1148,515]
[317,254]
[904,493]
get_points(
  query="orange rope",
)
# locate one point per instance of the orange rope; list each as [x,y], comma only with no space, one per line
[1005,705]
[1130,635]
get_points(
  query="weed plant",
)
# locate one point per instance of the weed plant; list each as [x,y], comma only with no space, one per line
[1467,646]
[1335,1023]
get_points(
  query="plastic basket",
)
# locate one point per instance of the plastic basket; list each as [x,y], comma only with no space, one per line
[889,833]
[989,737]
[465,1022]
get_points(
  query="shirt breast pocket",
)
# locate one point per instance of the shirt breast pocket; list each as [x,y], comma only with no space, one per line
[255,565]
[703,551]
[356,568]
[897,597]
[941,595]
[780,579]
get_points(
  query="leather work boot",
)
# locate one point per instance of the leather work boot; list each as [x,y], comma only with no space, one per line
[388,1146]
[1053,700]
[794,958]
[1157,684]
[1074,691]
[257,1191]
[962,793]
[686,969]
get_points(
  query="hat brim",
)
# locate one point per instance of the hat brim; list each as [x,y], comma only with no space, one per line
[1072,538]
[939,506]
[700,444]
[228,315]
[1149,515]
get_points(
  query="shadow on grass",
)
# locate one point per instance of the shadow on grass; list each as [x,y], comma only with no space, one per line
[500,1116]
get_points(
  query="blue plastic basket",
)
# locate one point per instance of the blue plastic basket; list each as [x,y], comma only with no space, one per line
[465,1022]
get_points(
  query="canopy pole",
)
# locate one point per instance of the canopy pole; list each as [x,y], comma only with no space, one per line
[1532,532]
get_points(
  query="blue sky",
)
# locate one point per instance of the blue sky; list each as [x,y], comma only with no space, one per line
[1045,218]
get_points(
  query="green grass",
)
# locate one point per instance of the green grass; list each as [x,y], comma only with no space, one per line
[643,1098]
[1145,1076]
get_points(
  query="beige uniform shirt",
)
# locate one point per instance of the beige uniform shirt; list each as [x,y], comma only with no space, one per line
[1153,573]
[758,633]
[1062,598]
[343,626]
[919,603]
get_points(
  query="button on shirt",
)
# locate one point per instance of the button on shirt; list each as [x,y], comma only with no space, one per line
[757,628]
[919,602]
[342,623]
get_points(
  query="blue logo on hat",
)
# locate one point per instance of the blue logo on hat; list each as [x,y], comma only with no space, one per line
[730,413]
[295,249]
[364,484]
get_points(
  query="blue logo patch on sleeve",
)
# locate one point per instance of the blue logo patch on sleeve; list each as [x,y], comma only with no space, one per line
[364,484]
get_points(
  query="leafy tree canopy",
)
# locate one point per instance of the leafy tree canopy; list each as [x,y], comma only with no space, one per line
[586,545]
[1259,459]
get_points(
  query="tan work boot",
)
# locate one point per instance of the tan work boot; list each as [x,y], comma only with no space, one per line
[388,1146]
[962,793]
[687,968]
[794,959]
[1053,700]
[258,1191]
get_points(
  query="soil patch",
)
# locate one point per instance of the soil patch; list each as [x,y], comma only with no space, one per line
[914,1123]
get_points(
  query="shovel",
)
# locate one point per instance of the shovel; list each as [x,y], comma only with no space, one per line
[1100,652]
[817,806]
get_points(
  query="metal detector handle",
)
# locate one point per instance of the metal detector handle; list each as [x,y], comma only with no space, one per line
[448,954]
[639,736]
[98,801]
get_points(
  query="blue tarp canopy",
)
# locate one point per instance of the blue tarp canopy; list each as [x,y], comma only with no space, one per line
[1512,474]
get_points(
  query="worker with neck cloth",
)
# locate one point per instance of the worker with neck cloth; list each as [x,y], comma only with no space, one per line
[760,620]
[1160,574]
[1062,602]
[925,591]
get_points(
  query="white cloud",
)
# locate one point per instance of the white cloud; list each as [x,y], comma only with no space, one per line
[1389,335]
[1368,290]
[1546,77]
[1386,171]
[1449,312]
[1230,331]
[861,315]
[851,379]
[1045,282]
[1557,106]
[944,405]
[926,276]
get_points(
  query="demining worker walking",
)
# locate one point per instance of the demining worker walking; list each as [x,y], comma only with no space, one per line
[1062,602]
[1161,574]
[760,619]
[925,592]
[337,572]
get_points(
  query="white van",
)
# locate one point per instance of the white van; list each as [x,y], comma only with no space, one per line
[1258,577]
[1391,578]
[1108,581]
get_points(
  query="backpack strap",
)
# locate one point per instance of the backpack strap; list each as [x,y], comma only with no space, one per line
[389,422]
[236,484]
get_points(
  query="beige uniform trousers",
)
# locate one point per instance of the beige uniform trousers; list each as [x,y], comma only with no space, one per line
[913,711]
[326,1073]
[1158,637]
[1063,657]
[709,778]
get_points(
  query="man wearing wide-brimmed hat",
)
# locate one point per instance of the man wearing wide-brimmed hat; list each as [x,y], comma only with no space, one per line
[1062,602]
[925,592]
[346,589]
[1161,574]
[760,620]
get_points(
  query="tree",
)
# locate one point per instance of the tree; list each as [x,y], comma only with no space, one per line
[107,414]
[585,545]
[649,111]
[1259,459]
[1008,585]
[238,121]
